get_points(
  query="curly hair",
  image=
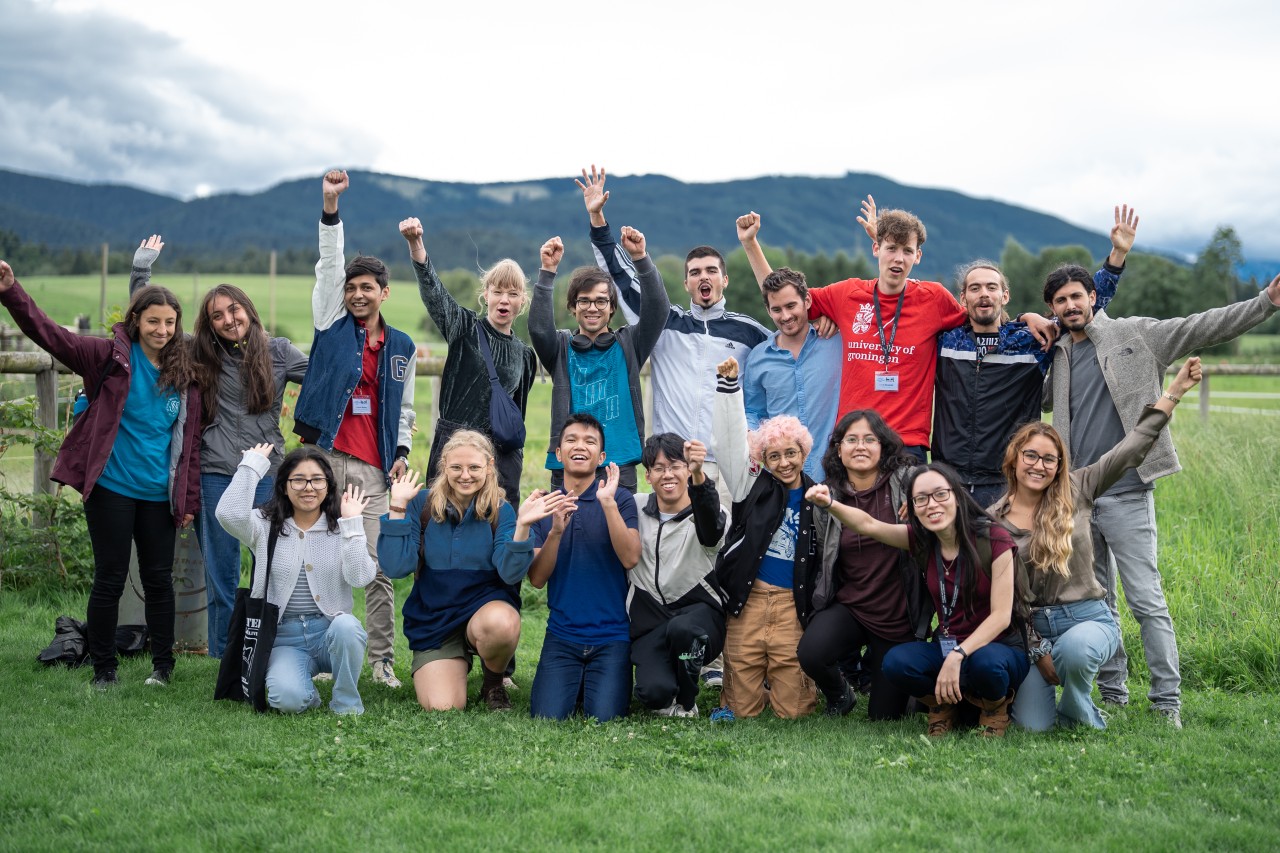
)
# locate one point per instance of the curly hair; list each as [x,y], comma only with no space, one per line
[892,454]
[899,226]
[1050,548]
[488,500]
[783,429]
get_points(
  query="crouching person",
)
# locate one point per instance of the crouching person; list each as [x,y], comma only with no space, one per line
[320,555]
[677,618]
[770,555]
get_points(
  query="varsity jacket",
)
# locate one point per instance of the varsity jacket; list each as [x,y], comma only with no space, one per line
[677,559]
[336,359]
[1134,353]
[979,404]
[759,503]
[692,343]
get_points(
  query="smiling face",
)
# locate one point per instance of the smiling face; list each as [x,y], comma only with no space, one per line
[465,470]
[790,312]
[936,513]
[156,326]
[1038,464]
[669,481]
[363,297]
[580,450]
[503,304]
[984,297]
[785,461]
[228,319]
[307,499]
[592,308]
[705,280]
[860,451]
[896,259]
[1072,304]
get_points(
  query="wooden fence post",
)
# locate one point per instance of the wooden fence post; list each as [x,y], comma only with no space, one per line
[1204,397]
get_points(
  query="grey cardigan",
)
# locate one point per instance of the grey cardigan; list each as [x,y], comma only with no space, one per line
[1134,353]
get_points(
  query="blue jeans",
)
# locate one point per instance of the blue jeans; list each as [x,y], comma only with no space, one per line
[221,552]
[569,674]
[1124,543]
[989,673]
[1084,636]
[986,494]
[306,645]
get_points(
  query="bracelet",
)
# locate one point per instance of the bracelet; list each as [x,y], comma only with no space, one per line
[1175,400]
[963,654]
[399,509]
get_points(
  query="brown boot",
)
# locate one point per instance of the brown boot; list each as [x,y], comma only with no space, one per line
[994,718]
[942,717]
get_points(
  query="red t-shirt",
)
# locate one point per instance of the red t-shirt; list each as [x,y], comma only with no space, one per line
[929,310]
[965,623]
[358,432]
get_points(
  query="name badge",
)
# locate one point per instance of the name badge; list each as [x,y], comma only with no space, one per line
[886,380]
[947,645]
[362,405]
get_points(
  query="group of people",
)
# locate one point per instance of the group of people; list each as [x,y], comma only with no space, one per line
[976,582]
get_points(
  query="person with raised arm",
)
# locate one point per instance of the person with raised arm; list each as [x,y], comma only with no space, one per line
[468,550]
[133,455]
[1048,512]
[356,403]
[465,388]
[966,562]
[320,556]
[583,554]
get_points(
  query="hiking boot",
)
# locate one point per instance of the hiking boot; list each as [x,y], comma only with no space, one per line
[942,718]
[384,674]
[159,678]
[842,703]
[105,680]
[1171,715]
[495,697]
[994,719]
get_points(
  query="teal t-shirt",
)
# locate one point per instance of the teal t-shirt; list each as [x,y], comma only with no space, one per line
[598,386]
[779,564]
[138,467]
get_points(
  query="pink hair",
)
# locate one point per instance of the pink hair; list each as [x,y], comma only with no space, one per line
[782,430]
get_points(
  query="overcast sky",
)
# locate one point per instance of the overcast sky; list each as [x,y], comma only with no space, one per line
[1065,108]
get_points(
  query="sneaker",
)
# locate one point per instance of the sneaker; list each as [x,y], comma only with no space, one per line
[385,674]
[713,678]
[322,676]
[105,680]
[723,715]
[1114,701]
[159,678]
[495,698]
[509,684]
[841,705]
[1172,716]
[676,710]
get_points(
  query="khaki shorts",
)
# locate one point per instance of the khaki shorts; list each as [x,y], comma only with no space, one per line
[454,646]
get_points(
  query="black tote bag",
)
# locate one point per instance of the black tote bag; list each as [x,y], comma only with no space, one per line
[242,677]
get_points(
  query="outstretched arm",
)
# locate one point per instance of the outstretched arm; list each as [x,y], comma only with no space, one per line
[654,302]
[326,298]
[87,355]
[1172,339]
[542,314]
[708,517]
[895,535]
[1123,233]
[729,432]
[748,235]
[450,318]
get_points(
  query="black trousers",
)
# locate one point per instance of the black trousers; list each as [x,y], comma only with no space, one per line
[661,676]
[116,524]
[828,638]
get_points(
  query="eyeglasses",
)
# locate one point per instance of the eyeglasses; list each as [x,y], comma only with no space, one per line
[600,302]
[790,454]
[473,470]
[300,483]
[1047,459]
[663,470]
[855,440]
[940,496]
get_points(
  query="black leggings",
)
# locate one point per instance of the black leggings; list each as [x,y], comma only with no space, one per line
[116,524]
[828,638]
[661,676]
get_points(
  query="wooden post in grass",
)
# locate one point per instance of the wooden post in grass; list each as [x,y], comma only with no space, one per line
[102,290]
[271,278]
[1204,396]
[47,417]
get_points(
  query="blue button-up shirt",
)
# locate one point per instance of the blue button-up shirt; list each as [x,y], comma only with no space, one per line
[807,386]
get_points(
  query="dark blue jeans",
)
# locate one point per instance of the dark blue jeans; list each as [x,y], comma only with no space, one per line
[989,673]
[221,552]
[597,678]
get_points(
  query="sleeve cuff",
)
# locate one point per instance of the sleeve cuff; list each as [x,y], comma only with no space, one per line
[329,218]
[521,547]
[351,527]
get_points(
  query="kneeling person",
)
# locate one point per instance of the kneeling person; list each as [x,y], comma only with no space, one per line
[677,618]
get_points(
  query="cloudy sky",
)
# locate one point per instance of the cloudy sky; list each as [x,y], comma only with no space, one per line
[1065,108]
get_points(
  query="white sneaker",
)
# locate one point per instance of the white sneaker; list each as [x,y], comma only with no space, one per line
[677,710]
[509,684]
[384,674]
[322,676]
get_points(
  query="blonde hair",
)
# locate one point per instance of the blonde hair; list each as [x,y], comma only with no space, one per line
[488,501]
[1050,549]
[505,274]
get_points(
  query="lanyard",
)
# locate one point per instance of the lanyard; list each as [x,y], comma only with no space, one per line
[887,346]
[947,607]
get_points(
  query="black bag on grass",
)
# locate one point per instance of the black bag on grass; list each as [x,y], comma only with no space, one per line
[242,676]
[70,645]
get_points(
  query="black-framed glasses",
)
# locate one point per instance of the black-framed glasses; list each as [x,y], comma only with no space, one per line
[939,496]
[300,483]
[1049,460]
[601,302]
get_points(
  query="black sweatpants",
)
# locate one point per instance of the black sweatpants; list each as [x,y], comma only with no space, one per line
[828,638]
[661,676]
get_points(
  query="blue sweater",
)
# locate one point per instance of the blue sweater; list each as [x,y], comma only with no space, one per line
[466,565]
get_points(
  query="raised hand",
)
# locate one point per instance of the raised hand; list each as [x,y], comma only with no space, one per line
[7,277]
[695,454]
[551,254]
[334,184]
[819,495]
[405,488]
[594,195]
[560,517]
[633,242]
[1125,229]
[1273,291]
[748,227]
[263,450]
[148,250]
[354,500]
[868,218]
[727,369]
[541,504]
[608,488]
[411,229]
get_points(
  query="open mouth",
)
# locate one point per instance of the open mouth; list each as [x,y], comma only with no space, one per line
[704,292]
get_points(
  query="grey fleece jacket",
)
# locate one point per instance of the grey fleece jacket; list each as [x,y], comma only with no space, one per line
[1134,353]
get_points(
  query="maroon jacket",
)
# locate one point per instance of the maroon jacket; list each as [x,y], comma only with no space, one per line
[105,366]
